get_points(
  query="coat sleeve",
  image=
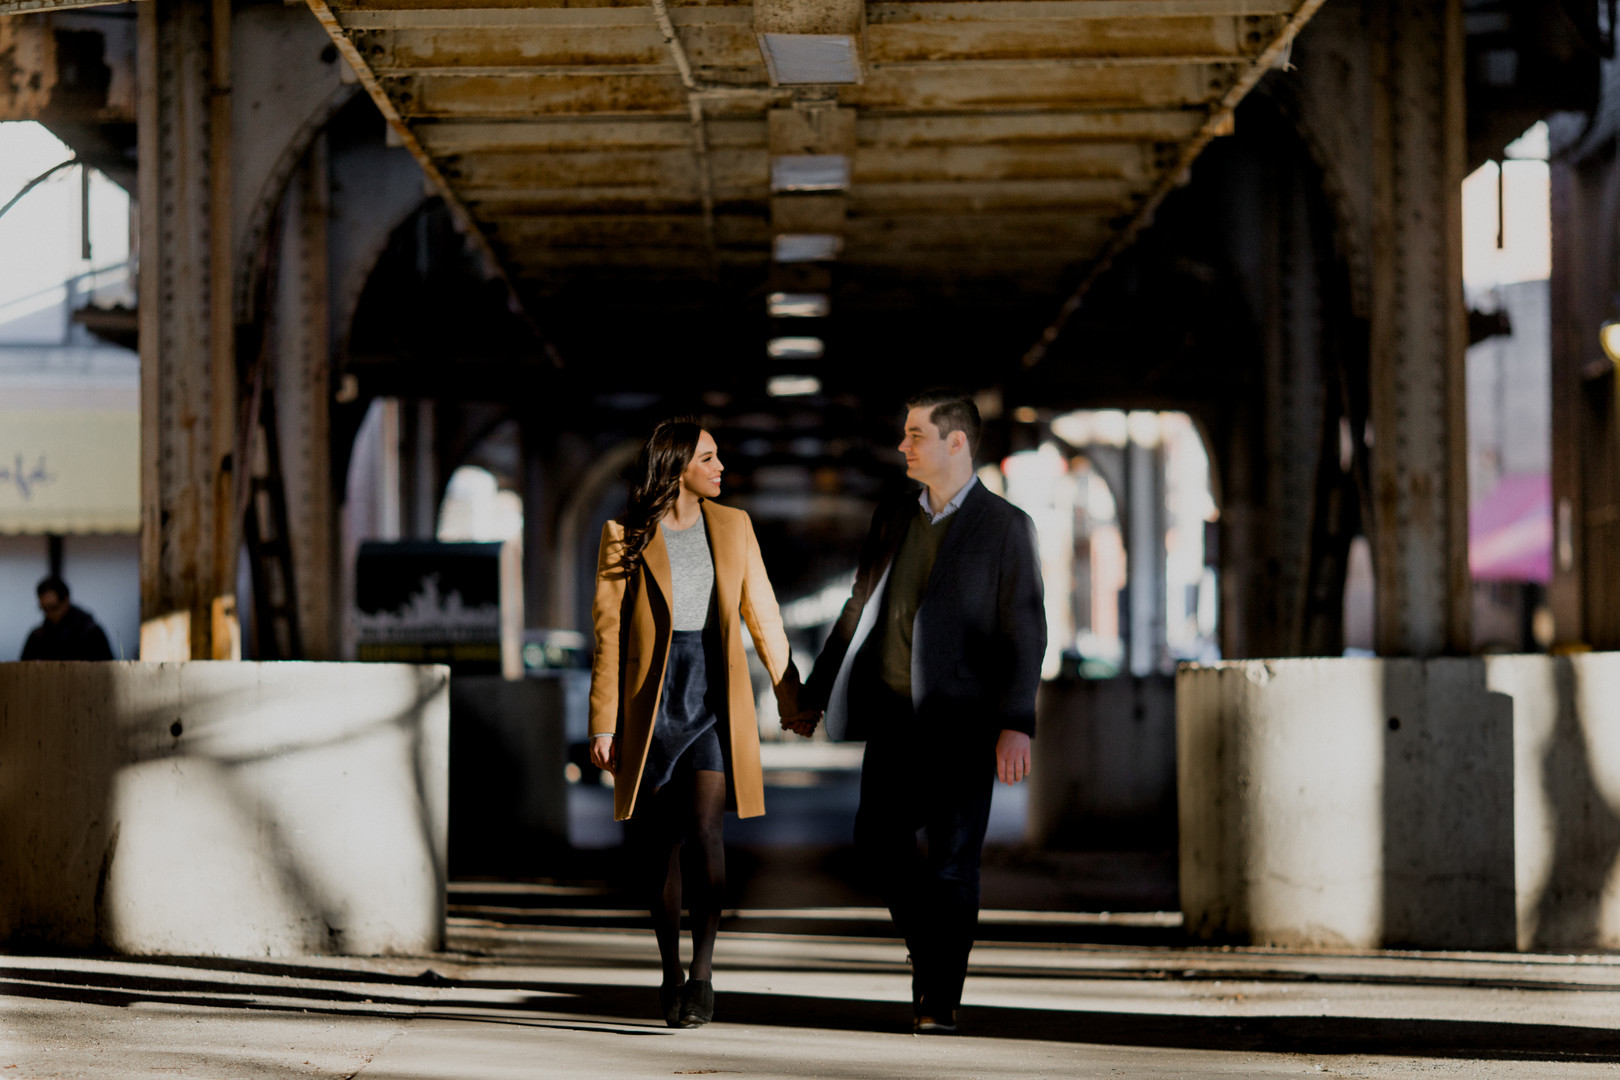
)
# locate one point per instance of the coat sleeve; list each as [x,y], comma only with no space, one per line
[764,618]
[610,586]
[819,687]
[1021,613]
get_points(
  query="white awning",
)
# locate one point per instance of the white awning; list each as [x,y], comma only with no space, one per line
[68,470]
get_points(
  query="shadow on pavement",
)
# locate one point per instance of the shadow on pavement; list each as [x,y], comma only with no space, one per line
[1305,1035]
[631,1010]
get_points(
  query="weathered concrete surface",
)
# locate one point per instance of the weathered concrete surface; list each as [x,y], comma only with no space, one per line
[560,1004]
[1105,772]
[1566,735]
[1346,803]
[223,808]
[1366,802]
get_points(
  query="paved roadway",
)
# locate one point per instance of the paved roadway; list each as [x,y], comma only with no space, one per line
[539,1002]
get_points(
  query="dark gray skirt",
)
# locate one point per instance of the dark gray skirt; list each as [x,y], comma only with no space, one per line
[686,735]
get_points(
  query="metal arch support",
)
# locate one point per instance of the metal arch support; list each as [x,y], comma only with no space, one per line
[285,93]
[375,190]
[1335,69]
[407,138]
[571,523]
[301,347]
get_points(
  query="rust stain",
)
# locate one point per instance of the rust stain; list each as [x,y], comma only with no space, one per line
[27,66]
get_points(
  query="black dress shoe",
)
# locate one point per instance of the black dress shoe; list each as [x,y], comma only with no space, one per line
[697,1003]
[669,1003]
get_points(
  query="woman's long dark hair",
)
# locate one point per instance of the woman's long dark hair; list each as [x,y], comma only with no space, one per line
[655,483]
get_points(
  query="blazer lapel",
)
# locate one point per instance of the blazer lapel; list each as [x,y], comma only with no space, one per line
[726,549]
[656,557]
[966,521]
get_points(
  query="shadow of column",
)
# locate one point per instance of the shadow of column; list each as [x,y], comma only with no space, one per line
[1448,828]
[1584,828]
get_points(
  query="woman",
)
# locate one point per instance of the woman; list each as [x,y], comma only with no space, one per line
[672,713]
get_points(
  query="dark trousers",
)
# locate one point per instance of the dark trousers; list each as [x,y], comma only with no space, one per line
[920,831]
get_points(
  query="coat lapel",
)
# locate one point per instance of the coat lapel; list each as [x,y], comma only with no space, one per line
[965,523]
[725,547]
[656,557]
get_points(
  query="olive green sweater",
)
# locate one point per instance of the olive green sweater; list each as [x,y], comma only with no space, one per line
[908,577]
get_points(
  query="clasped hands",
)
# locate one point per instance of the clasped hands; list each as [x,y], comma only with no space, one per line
[803,722]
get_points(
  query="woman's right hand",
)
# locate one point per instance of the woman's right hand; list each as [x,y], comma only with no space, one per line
[605,753]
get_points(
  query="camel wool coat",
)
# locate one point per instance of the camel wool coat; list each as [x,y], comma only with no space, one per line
[632,619]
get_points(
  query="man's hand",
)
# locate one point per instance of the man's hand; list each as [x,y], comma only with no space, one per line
[802,723]
[605,753]
[1012,756]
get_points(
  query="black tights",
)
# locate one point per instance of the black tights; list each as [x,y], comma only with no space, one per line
[691,807]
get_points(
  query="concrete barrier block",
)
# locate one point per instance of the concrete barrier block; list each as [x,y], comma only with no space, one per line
[1354,803]
[224,808]
[1566,797]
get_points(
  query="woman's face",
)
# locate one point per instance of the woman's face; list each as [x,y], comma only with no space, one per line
[702,476]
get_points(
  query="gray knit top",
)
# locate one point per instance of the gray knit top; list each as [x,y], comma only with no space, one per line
[691,569]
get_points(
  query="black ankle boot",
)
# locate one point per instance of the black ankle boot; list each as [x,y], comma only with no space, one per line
[669,1003]
[697,1003]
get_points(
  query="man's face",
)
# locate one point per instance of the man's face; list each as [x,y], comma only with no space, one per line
[928,456]
[52,606]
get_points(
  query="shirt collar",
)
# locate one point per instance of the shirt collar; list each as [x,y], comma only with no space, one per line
[951,507]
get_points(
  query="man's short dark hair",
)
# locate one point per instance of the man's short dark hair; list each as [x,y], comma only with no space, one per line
[52,584]
[950,410]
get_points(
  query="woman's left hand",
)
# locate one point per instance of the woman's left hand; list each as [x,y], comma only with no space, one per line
[605,754]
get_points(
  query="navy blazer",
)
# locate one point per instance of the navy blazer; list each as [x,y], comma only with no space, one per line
[980,630]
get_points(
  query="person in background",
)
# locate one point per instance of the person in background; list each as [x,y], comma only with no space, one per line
[672,711]
[68,632]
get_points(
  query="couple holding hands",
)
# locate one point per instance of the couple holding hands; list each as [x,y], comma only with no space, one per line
[934,662]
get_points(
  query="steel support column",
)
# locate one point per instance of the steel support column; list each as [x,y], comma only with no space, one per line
[188,377]
[301,339]
[1418,329]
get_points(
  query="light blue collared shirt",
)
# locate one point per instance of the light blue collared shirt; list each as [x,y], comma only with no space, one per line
[951,507]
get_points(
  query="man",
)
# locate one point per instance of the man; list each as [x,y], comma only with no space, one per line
[935,662]
[68,632]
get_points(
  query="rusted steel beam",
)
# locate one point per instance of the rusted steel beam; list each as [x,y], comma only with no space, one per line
[1137,162]
[1104,198]
[29,51]
[1109,196]
[1013,129]
[188,400]
[746,171]
[1142,12]
[888,90]
[19,7]
[519,17]
[1068,88]
[1418,331]
[950,38]
[637,231]
[640,49]
[1218,123]
[733,170]
[1057,126]
[568,133]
